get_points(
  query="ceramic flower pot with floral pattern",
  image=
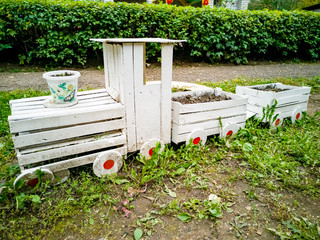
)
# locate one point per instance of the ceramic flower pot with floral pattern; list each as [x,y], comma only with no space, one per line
[63,86]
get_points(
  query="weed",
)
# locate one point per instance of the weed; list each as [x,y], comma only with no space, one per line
[297,228]
[239,224]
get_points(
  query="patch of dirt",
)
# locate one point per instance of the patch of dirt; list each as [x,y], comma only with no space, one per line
[203,98]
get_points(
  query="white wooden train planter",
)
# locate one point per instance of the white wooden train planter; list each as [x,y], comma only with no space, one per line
[196,121]
[128,115]
[291,100]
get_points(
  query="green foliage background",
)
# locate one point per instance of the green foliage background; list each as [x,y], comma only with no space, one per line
[56,32]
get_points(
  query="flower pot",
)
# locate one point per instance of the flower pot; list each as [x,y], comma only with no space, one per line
[63,86]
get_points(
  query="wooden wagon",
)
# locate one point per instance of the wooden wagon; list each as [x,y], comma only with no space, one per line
[289,101]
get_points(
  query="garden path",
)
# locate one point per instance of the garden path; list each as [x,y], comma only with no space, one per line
[192,72]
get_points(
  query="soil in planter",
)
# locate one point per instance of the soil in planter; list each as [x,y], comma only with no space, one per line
[66,74]
[207,97]
[271,88]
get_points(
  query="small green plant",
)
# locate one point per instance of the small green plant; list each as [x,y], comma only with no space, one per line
[298,228]
[238,225]
[268,113]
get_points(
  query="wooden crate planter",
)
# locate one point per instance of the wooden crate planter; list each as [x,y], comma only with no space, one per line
[57,139]
[291,100]
[199,120]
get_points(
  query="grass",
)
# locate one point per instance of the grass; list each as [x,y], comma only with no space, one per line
[275,173]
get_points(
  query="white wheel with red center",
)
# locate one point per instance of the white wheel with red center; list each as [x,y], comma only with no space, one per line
[30,178]
[147,149]
[197,136]
[229,130]
[107,163]
[296,115]
[61,176]
[278,122]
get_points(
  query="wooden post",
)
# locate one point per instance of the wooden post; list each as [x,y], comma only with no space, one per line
[166,79]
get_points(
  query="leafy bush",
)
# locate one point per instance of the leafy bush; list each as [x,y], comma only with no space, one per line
[58,32]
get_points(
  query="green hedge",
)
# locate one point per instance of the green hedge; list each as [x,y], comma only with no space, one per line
[59,32]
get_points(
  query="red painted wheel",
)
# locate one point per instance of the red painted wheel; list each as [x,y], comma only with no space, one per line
[278,122]
[107,163]
[30,178]
[296,115]
[229,130]
[196,137]
[147,149]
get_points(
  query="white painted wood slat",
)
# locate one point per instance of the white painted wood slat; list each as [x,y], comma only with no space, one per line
[75,162]
[165,103]
[147,101]
[179,129]
[129,95]
[80,95]
[80,116]
[287,108]
[70,142]
[71,150]
[208,115]
[56,135]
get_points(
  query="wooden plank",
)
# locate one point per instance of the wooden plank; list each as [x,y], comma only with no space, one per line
[183,137]
[71,150]
[187,128]
[90,103]
[63,112]
[129,97]
[120,65]
[106,64]
[147,104]
[292,100]
[268,95]
[81,99]
[208,115]
[250,114]
[77,161]
[293,92]
[114,94]
[287,108]
[39,105]
[72,118]
[67,133]
[136,40]
[70,142]
[248,91]
[110,69]
[116,62]
[200,107]
[42,98]
[166,82]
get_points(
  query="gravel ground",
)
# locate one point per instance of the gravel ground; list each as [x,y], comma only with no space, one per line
[184,72]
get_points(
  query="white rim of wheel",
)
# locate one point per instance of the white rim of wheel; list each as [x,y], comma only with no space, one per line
[147,148]
[61,176]
[197,136]
[296,115]
[278,122]
[107,163]
[229,130]
[30,178]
